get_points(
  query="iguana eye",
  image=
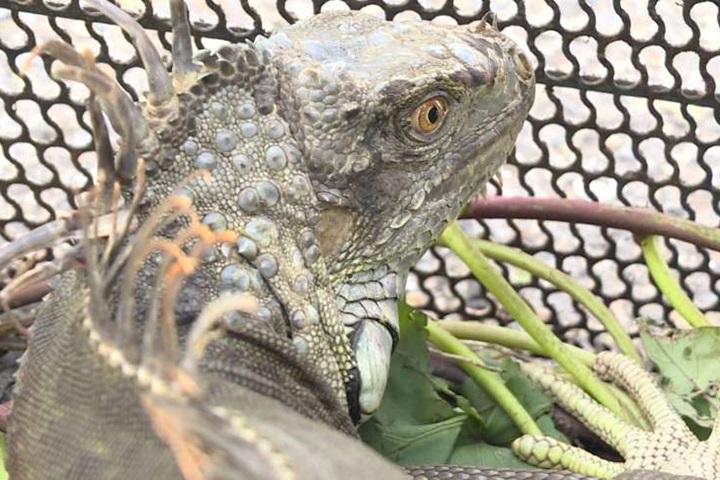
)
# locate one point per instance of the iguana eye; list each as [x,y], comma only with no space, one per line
[428,117]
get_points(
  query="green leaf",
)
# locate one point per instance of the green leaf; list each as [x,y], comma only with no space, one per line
[469,452]
[422,421]
[684,360]
[408,444]
[499,428]
[411,378]
[414,425]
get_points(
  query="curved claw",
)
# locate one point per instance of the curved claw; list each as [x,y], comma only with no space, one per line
[161,91]
[103,149]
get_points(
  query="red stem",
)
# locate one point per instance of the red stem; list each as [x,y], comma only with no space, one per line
[640,221]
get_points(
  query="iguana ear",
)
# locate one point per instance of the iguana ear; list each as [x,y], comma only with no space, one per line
[334,230]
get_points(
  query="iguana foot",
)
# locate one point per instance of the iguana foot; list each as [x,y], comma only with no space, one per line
[669,447]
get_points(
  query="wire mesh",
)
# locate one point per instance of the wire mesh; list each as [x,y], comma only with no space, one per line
[626,114]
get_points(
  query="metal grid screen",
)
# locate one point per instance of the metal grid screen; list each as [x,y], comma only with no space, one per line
[626,113]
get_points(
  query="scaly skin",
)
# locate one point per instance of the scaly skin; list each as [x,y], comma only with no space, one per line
[670,448]
[248,314]
[290,185]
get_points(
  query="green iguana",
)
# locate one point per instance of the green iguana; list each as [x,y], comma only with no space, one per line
[243,251]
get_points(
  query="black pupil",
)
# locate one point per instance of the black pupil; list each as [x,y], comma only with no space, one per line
[433,114]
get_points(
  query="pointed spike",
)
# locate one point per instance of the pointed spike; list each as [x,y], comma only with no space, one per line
[499,179]
[112,100]
[128,160]
[115,254]
[90,248]
[113,103]
[56,49]
[115,204]
[489,20]
[160,340]
[161,91]
[120,109]
[492,20]
[103,149]
[134,256]
[201,332]
[182,49]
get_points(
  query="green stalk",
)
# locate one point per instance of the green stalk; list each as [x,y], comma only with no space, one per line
[481,267]
[507,337]
[660,273]
[489,381]
[3,457]
[519,340]
[564,282]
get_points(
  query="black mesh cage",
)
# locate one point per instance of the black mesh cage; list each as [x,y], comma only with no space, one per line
[625,114]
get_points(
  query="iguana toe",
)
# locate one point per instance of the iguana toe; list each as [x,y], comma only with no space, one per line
[669,446]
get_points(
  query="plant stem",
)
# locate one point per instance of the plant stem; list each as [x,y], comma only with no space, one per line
[640,221]
[565,283]
[489,381]
[481,267]
[670,287]
[507,337]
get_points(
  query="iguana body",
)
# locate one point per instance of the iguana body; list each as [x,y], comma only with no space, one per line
[329,157]
[249,318]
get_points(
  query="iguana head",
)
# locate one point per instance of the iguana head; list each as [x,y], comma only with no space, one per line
[399,125]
